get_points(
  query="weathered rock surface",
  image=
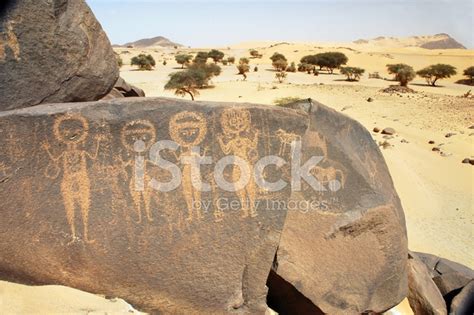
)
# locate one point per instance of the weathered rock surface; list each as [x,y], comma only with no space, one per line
[454,281]
[344,248]
[52,51]
[128,90]
[423,294]
[123,89]
[74,212]
[463,303]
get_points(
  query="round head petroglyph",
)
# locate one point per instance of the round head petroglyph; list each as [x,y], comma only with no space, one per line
[71,128]
[138,135]
[235,121]
[188,128]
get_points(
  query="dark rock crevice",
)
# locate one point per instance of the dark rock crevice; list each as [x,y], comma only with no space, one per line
[285,299]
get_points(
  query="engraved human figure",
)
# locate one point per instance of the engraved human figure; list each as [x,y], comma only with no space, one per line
[237,139]
[137,137]
[286,139]
[72,130]
[9,39]
[188,129]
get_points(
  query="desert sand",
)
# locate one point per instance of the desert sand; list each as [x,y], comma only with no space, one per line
[435,188]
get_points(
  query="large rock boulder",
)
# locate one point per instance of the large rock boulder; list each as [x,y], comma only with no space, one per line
[53,51]
[423,294]
[454,282]
[463,303]
[123,89]
[82,204]
[344,245]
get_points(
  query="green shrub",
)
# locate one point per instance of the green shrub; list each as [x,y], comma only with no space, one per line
[201,57]
[243,67]
[216,55]
[286,100]
[469,72]
[144,62]
[291,67]
[183,59]
[352,73]
[403,73]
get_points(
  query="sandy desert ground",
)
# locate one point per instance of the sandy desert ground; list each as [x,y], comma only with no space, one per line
[435,188]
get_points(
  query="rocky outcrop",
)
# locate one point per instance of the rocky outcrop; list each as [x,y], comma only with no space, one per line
[423,294]
[463,303]
[344,245]
[53,51]
[87,201]
[123,89]
[453,280]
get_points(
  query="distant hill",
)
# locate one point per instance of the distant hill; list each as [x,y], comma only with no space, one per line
[155,41]
[438,41]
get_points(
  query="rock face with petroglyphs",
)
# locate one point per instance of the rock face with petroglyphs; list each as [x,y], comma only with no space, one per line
[52,51]
[90,201]
[346,247]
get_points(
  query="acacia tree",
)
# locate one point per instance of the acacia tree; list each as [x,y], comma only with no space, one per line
[328,60]
[352,73]
[469,72]
[279,61]
[435,72]
[243,67]
[144,62]
[185,82]
[201,57]
[207,70]
[216,55]
[183,59]
[254,53]
[403,73]
[231,60]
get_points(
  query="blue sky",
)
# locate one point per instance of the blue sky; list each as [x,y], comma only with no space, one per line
[201,23]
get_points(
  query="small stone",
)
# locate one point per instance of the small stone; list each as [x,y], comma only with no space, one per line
[431,142]
[450,134]
[370,99]
[466,161]
[404,141]
[388,131]
[471,161]
[345,108]
[471,127]
[376,129]
[436,149]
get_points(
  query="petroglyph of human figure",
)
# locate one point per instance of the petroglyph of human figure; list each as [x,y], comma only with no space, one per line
[188,129]
[72,130]
[237,139]
[137,137]
[8,39]
[286,138]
